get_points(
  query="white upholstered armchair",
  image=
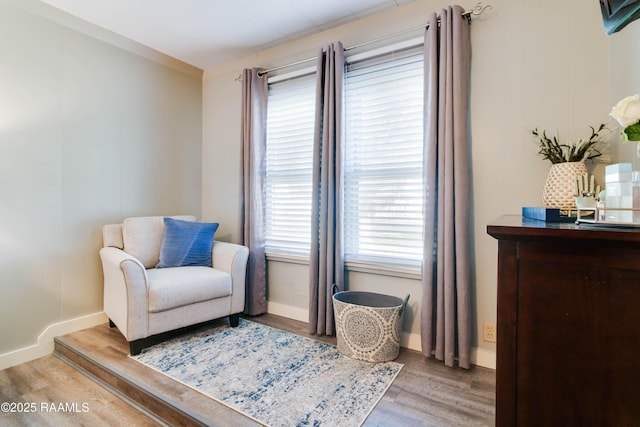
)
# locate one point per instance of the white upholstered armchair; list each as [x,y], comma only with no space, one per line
[145,302]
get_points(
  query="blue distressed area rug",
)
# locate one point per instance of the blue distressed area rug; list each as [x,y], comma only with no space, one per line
[274,377]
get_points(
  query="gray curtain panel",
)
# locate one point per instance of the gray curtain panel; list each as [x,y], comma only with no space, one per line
[446,278]
[254,136]
[327,254]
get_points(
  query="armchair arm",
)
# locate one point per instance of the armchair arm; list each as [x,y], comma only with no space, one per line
[125,292]
[232,259]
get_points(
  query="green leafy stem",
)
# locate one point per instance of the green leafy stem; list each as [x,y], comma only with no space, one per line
[632,133]
[585,149]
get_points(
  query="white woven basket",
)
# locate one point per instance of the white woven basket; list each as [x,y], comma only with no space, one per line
[368,325]
[560,184]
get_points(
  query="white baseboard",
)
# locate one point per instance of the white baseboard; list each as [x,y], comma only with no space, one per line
[44,344]
[411,341]
[479,356]
[288,311]
[484,358]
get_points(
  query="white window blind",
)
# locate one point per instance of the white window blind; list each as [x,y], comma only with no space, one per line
[289,156]
[383,159]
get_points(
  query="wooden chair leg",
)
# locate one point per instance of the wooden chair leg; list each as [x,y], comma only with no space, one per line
[135,347]
[234,320]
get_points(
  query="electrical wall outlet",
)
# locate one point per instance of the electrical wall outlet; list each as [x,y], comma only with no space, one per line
[489,332]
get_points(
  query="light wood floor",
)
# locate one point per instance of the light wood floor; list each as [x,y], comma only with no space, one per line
[425,393]
[49,380]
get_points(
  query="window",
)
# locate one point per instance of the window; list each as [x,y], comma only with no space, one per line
[383,139]
[383,159]
[289,157]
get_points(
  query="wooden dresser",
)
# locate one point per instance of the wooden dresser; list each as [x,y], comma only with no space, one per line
[568,324]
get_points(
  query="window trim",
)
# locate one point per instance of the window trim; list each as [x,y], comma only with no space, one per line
[372,53]
[276,78]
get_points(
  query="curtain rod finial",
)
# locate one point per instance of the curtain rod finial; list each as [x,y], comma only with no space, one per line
[479,8]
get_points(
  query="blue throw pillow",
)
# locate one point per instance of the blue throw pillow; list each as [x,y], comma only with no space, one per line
[186,243]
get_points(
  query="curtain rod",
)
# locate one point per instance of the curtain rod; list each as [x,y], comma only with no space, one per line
[477,10]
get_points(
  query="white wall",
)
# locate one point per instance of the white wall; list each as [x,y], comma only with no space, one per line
[624,78]
[89,134]
[536,63]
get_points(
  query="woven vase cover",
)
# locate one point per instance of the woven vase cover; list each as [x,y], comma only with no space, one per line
[558,190]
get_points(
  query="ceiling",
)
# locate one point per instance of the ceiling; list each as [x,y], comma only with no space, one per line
[205,33]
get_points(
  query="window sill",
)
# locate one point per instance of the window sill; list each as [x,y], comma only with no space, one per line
[404,272]
[288,257]
[381,269]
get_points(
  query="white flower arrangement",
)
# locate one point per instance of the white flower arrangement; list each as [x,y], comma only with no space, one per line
[627,114]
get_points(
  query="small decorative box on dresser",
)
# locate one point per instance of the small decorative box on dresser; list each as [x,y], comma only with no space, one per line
[568,324]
